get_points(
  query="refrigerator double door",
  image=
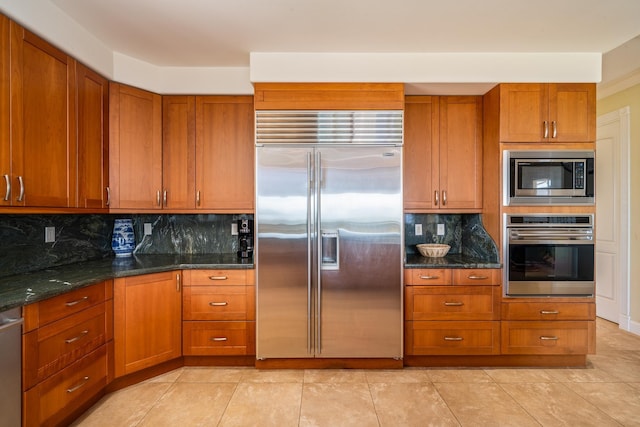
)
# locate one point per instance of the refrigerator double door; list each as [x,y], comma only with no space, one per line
[328,252]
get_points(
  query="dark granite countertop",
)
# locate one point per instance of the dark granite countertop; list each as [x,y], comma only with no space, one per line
[23,289]
[448,261]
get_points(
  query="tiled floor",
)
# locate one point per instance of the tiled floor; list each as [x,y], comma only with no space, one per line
[606,393]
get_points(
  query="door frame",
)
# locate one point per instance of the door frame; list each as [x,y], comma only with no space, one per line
[622,116]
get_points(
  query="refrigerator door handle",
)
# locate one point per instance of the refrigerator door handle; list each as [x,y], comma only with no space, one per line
[310,190]
[318,165]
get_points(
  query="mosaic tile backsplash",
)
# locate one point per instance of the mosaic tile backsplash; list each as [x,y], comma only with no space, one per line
[88,237]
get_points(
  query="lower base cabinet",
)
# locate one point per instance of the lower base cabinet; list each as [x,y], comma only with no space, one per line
[452,338]
[548,337]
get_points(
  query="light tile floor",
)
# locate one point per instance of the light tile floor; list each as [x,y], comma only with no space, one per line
[606,393]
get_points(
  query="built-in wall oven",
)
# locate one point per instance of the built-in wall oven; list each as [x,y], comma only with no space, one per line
[549,255]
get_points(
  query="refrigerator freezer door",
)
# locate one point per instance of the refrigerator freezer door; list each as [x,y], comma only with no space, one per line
[360,302]
[284,251]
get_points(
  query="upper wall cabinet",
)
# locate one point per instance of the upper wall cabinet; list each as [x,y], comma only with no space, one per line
[5,131]
[135,148]
[42,142]
[329,96]
[443,154]
[541,112]
[93,138]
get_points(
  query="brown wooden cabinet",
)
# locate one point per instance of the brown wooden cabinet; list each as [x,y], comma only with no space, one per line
[66,346]
[443,153]
[135,148]
[42,143]
[93,138]
[452,312]
[548,327]
[147,321]
[218,313]
[5,129]
[547,112]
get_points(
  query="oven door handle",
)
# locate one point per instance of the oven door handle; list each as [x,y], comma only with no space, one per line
[552,241]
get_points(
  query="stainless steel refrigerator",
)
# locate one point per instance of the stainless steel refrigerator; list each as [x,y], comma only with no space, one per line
[329,233]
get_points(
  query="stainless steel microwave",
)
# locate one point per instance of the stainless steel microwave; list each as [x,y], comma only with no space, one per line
[549,177]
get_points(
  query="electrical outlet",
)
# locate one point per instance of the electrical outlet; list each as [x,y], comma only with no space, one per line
[49,234]
[418,230]
[440,230]
[234,228]
[148,229]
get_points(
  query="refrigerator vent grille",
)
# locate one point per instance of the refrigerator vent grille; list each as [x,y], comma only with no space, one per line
[329,127]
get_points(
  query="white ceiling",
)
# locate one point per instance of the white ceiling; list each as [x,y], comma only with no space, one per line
[216,33]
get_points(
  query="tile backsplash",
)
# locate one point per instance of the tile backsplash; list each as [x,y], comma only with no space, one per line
[88,237]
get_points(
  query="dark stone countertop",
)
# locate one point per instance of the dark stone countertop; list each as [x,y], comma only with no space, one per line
[23,289]
[448,261]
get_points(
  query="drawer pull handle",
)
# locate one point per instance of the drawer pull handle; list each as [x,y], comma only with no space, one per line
[217,304]
[544,338]
[78,301]
[453,338]
[218,277]
[218,338]
[473,277]
[76,387]
[549,312]
[74,339]
[429,277]
[453,304]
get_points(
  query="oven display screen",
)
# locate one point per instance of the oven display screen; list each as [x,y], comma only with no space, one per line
[551,262]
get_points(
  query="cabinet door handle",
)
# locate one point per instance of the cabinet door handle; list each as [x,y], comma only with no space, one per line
[454,304]
[549,312]
[198,198]
[453,338]
[78,386]
[7,194]
[444,197]
[474,277]
[76,338]
[551,338]
[158,197]
[108,196]
[178,278]
[437,199]
[429,277]
[217,304]
[218,277]
[78,301]
[164,198]
[21,194]
[218,338]
[554,127]
[546,129]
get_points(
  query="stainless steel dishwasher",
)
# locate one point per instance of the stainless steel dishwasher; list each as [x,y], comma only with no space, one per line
[10,368]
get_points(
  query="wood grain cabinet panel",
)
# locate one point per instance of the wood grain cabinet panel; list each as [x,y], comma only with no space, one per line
[427,276]
[452,303]
[479,276]
[218,338]
[549,311]
[43,149]
[547,112]
[214,303]
[548,337]
[5,113]
[452,338]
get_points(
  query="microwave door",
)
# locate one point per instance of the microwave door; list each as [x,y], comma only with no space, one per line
[544,178]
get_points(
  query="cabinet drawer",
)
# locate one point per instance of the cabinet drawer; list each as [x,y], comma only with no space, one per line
[548,337]
[218,338]
[548,311]
[52,347]
[481,276]
[51,401]
[452,303]
[452,338]
[56,308]
[214,303]
[431,276]
[216,277]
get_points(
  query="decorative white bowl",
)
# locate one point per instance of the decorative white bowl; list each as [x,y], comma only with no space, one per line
[433,250]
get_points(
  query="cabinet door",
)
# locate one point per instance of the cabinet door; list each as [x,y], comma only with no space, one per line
[135,148]
[93,142]
[460,153]
[572,112]
[224,153]
[421,118]
[147,321]
[5,149]
[524,108]
[42,122]
[178,152]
